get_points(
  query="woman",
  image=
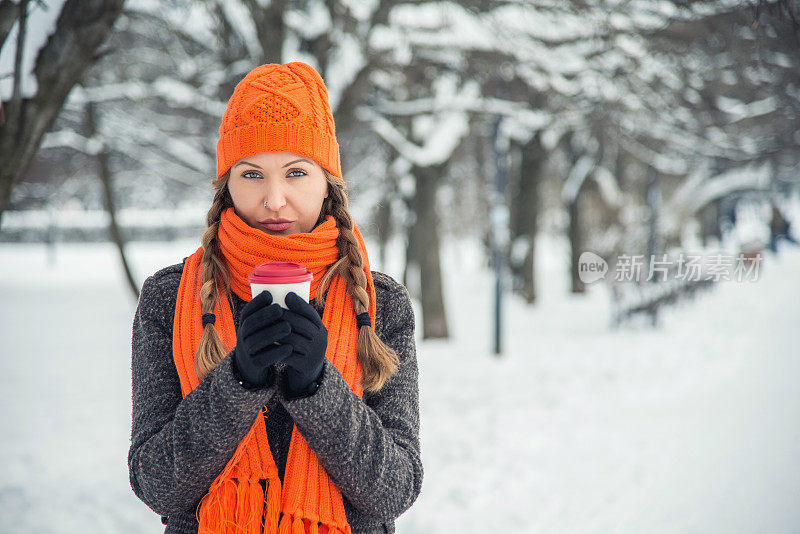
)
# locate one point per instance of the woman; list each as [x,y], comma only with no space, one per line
[233,432]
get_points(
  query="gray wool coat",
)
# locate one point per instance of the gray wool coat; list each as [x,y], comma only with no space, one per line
[369,447]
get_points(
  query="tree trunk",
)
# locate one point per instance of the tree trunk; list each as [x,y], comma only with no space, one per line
[81,27]
[106,177]
[524,203]
[576,243]
[383,222]
[271,29]
[575,230]
[709,222]
[424,251]
[9,13]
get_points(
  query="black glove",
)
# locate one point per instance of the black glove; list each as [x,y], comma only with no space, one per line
[309,341]
[261,325]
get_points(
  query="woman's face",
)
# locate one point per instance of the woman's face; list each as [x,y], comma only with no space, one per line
[293,187]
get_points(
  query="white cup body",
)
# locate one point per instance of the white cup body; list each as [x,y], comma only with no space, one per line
[279,291]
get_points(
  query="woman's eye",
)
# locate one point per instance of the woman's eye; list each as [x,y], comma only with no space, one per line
[250,175]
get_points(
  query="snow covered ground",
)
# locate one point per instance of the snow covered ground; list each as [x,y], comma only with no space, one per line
[691,427]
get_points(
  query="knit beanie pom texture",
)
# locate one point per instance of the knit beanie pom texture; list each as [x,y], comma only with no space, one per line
[279,108]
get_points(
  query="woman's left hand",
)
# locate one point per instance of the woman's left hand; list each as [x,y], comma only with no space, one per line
[309,341]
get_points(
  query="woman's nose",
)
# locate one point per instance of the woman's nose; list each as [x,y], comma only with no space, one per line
[274,196]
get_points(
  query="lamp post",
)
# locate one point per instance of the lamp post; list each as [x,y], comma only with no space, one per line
[499,218]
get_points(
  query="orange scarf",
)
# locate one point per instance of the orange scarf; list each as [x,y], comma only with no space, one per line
[308,501]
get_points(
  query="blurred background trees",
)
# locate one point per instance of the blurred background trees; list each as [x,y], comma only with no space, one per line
[631,127]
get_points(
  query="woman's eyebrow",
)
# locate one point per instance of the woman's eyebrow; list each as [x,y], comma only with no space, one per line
[257,167]
[295,161]
[247,163]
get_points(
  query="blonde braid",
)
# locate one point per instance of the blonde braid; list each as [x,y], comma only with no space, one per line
[211,350]
[378,361]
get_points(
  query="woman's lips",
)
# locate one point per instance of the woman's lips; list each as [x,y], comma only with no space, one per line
[277,227]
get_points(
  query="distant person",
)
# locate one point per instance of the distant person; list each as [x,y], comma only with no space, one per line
[253,417]
[779,229]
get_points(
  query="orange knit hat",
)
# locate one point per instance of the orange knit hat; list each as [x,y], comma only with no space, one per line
[279,108]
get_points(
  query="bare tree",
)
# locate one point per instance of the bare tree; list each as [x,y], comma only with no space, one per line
[107,178]
[81,28]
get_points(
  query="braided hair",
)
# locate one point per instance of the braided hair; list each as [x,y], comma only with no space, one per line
[378,361]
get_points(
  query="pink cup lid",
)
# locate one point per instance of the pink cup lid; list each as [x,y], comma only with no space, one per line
[280,272]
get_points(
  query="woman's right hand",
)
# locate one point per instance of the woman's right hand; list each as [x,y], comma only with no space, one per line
[261,325]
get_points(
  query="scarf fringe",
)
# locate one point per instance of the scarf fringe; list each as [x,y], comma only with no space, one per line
[244,497]
[295,523]
[273,505]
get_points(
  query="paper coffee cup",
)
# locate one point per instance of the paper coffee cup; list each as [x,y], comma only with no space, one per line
[281,277]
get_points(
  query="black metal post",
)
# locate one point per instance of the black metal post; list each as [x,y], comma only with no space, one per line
[499,218]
